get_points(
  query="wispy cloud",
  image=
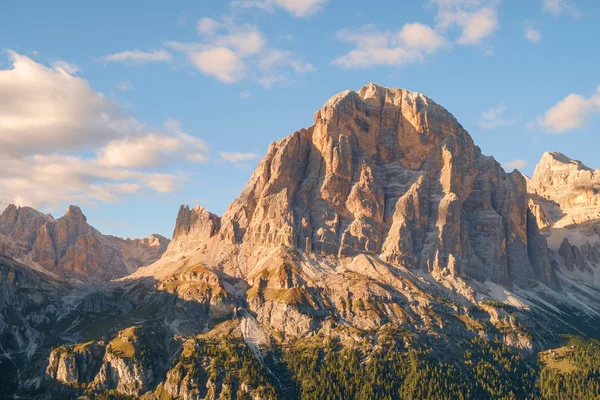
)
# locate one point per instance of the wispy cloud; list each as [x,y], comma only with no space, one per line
[559,7]
[138,56]
[125,85]
[237,157]
[570,113]
[69,68]
[477,19]
[515,164]
[494,118]
[410,44]
[297,8]
[532,34]
[273,63]
[153,150]
[230,52]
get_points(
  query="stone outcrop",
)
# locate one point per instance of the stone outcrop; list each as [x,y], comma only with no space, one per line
[75,364]
[70,247]
[130,363]
[192,228]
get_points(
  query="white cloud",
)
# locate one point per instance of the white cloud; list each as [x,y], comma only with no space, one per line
[477,19]
[421,37]
[532,34]
[274,63]
[554,7]
[125,85]
[69,68]
[47,109]
[570,113]
[207,26]
[297,8]
[238,157]
[558,7]
[126,188]
[410,44]
[162,183]
[221,63]
[48,115]
[138,56]
[515,164]
[152,150]
[50,181]
[245,94]
[493,118]
[245,41]
[230,53]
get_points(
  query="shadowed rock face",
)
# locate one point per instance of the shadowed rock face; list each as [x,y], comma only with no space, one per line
[70,247]
[391,173]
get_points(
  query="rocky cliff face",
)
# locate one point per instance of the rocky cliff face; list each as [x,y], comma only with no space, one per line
[565,196]
[390,173]
[70,247]
[75,365]
[192,228]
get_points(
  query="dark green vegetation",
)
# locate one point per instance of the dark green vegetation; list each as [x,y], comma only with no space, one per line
[571,372]
[477,370]
[220,367]
[398,366]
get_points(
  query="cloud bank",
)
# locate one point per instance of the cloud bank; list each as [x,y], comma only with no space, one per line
[61,141]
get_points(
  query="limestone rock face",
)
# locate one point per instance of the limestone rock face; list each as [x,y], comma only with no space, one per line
[569,188]
[70,247]
[193,227]
[126,366]
[140,252]
[565,195]
[389,172]
[75,364]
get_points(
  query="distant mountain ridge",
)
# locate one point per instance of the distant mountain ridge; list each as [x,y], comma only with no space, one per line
[566,197]
[69,247]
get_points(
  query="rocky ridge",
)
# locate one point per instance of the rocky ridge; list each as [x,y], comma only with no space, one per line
[69,247]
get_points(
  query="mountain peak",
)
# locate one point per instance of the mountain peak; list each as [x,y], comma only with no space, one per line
[10,213]
[558,158]
[75,213]
[556,171]
[373,92]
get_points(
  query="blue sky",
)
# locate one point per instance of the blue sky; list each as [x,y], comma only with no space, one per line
[130,109]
